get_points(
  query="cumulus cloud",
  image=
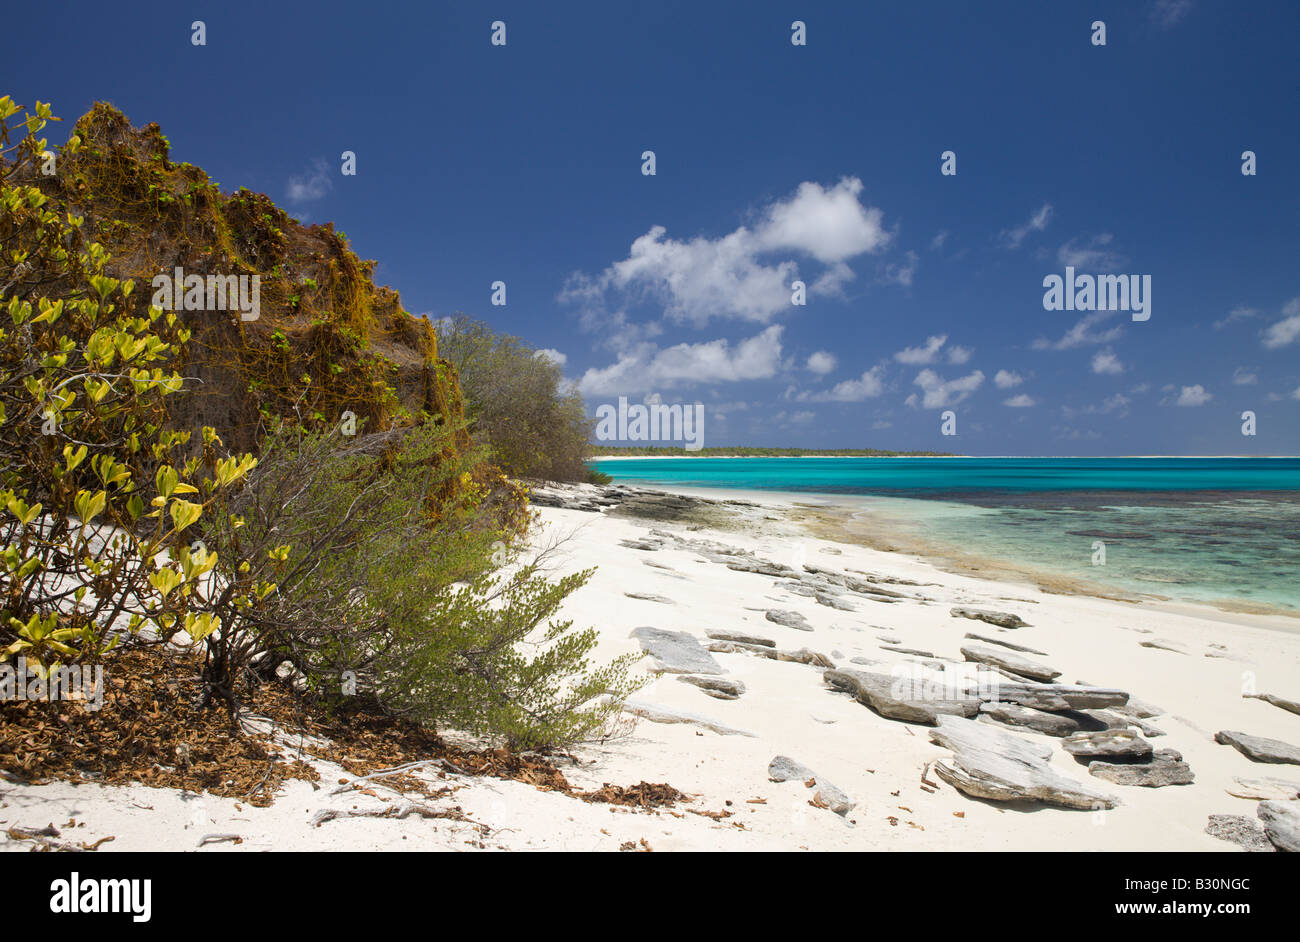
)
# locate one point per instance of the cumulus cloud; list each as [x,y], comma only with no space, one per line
[1093,254]
[1086,331]
[821,362]
[736,276]
[938,392]
[555,356]
[1287,330]
[1022,401]
[1105,361]
[1193,396]
[648,367]
[1006,379]
[1236,314]
[924,354]
[959,355]
[310,186]
[1245,376]
[1036,223]
[867,386]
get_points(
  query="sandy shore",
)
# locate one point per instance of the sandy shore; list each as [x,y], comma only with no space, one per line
[1192,665]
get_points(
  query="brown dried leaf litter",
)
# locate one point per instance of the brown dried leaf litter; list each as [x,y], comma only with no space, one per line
[147,732]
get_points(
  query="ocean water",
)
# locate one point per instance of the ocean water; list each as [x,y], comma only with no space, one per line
[1223,531]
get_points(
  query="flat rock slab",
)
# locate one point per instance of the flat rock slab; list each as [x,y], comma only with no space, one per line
[1279,789]
[720,687]
[916,651]
[998,765]
[658,714]
[785,769]
[1258,748]
[675,652]
[1053,724]
[742,637]
[1165,767]
[1291,706]
[1281,823]
[650,597]
[1107,743]
[1240,830]
[902,698]
[1057,697]
[1006,644]
[788,619]
[805,656]
[1009,661]
[1001,619]
[1161,644]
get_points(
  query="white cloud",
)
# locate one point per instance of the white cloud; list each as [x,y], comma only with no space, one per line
[311,186]
[867,386]
[1193,396]
[1236,314]
[1006,379]
[702,278]
[821,362]
[959,355]
[1105,361]
[1083,333]
[1245,376]
[938,392]
[1092,254]
[1286,330]
[648,367]
[1022,401]
[924,354]
[901,273]
[1167,13]
[555,356]
[940,238]
[1036,223]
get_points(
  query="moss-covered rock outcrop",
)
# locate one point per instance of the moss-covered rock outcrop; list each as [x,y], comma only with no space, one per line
[327,340]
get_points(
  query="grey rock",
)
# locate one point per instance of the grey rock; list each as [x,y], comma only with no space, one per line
[658,714]
[1006,644]
[675,652]
[719,687]
[1241,830]
[650,597]
[1009,661]
[785,769]
[1281,823]
[788,619]
[1160,644]
[915,651]
[1166,767]
[647,545]
[1053,724]
[1290,706]
[740,647]
[1109,743]
[742,637]
[864,661]
[1262,788]
[761,566]
[901,698]
[805,656]
[1001,619]
[1113,719]
[1258,748]
[999,765]
[1057,697]
[1138,708]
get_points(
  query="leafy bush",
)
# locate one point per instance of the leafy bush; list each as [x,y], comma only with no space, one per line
[82,450]
[517,401]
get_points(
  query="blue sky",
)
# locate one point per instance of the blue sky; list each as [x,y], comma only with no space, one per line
[522,163]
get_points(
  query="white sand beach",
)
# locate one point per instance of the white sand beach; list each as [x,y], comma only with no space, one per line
[1189,666]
